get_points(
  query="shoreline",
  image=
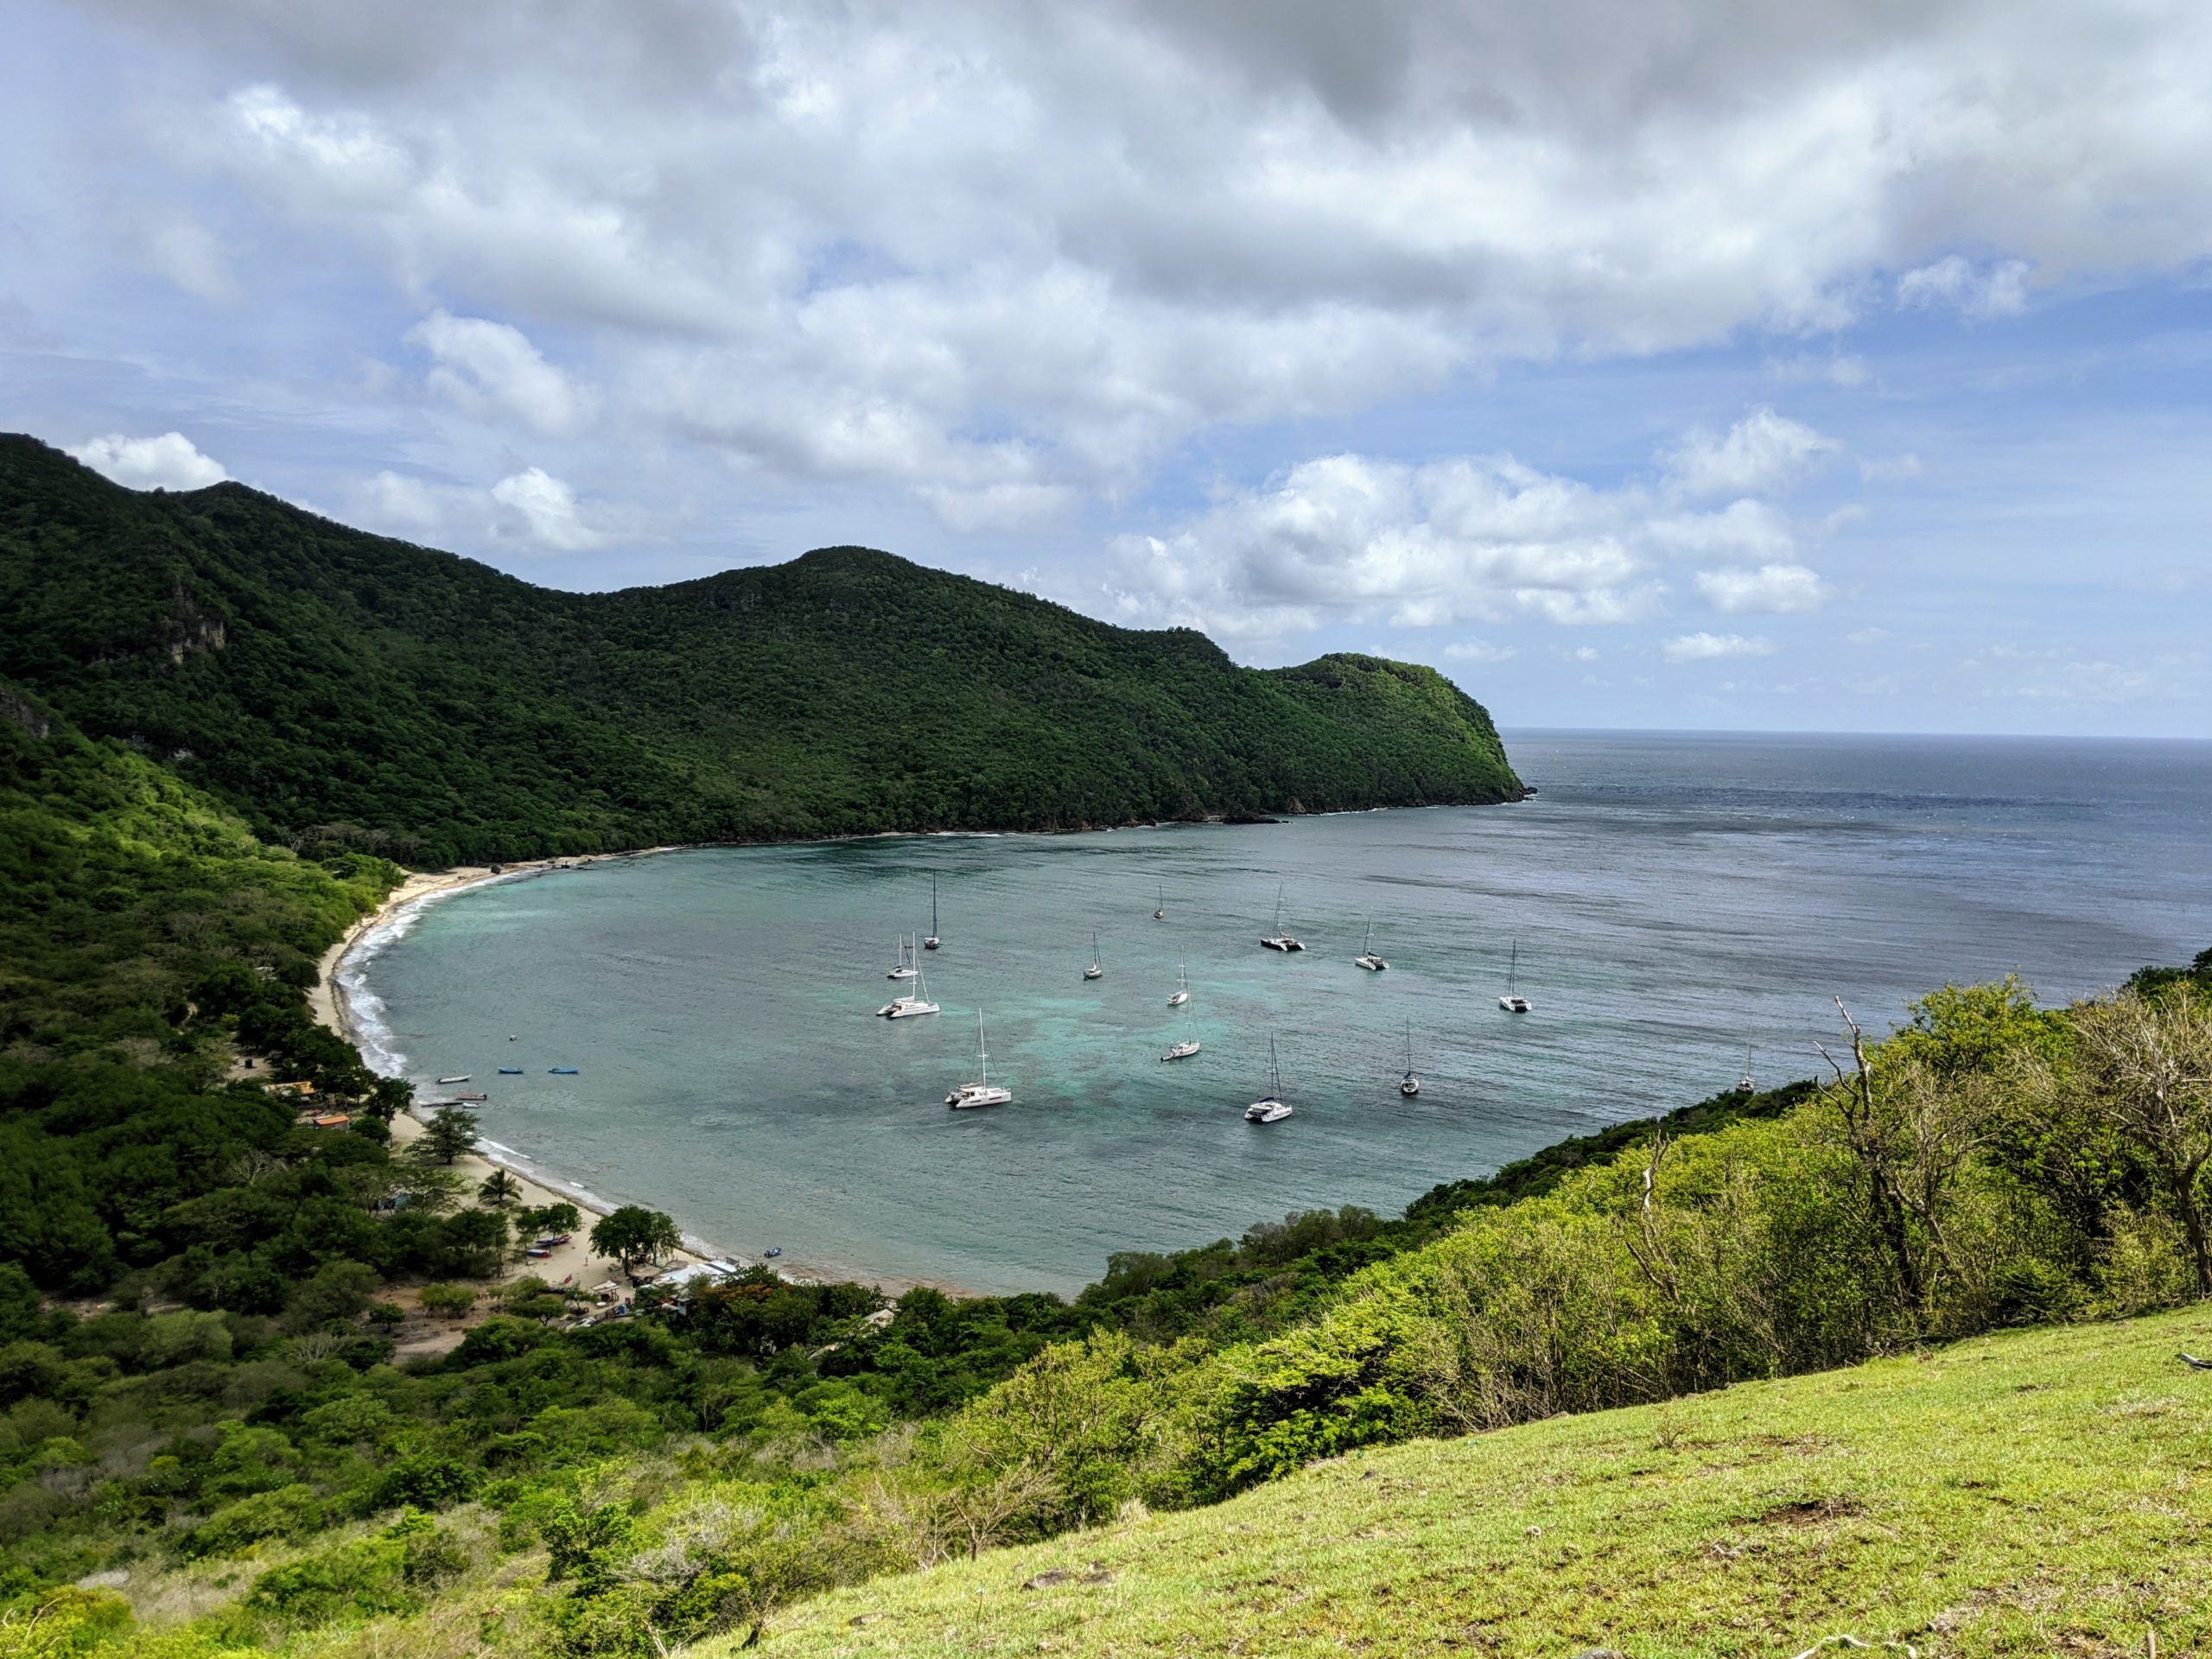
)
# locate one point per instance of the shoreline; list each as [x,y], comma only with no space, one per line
[328,1002]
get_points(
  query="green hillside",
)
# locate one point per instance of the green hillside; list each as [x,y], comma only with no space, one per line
[2043,1491]
[347,690]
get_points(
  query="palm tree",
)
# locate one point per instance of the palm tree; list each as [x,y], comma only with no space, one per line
[500,1190]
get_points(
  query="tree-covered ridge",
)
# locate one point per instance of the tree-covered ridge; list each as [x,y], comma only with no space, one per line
[349,691]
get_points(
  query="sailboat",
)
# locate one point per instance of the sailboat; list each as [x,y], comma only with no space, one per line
[1747,1086]
[1160,914]
[1094,971]
[1511,1001]
[1279,940]
[982,1093]
[1273,1109]
[905,969]
[1188,1046]
[933,942]
[905,1008]
[1181,994]
[1367,958]
[1410,1085]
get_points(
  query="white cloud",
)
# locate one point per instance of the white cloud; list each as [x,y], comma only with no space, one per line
[1998,290]
[1867,636]
[1706,647]
[1480,651]
[1770,587]
[1762,451]
[489,368]
[1585,654]
[1846,369]
[544,510]
[168,462]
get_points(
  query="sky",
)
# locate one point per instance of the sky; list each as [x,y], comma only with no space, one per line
[1825,366]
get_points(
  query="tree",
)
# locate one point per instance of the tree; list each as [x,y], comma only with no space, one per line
[451,1135]
[449,1300]
[2146,1063]
[557,1217]
[500,1190]
[634,1233]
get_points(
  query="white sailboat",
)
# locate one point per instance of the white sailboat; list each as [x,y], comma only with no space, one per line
[1512,1001]
[1181,994]
[1094,971]
[1367,958]
[933,942]
[1160,914]
[905,969]
[1273,1109]
[1747,1087]
[1188,1046]
[984,1092]
[1410,1085]
[905,1007]
[1279,940]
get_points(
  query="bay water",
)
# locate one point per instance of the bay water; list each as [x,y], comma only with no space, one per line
[1675,898]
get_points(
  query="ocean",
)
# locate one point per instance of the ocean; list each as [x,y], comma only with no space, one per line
[1675,898]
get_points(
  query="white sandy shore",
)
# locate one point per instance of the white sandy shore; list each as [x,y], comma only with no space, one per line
[329,1004]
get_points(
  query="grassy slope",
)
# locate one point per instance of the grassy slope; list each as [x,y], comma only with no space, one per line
[2043,1490]
[312,674]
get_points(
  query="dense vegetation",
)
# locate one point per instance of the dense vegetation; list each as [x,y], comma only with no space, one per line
[345,691]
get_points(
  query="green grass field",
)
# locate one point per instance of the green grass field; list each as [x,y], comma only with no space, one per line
[2043,1491]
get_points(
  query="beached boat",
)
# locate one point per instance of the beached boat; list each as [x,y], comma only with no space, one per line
[1272,1109]
[905,969]
[1512,1001]
[511,1071]
[1367,958]
[1410,1085]
[561,1071]
[1181,994]
[463,1077]
[1279,940]
[473,1097]
[1094,971]
[983,1092]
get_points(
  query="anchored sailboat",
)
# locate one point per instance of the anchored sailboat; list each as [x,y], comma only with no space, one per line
[1512,1001]
[1279,940]
[1160,914]
[1181,994]
[905,1008]
[933,942]
[1094,971]
[1410,1085]
[1189,1046]
[1273,1109]
[1367,958]
[1747,1086]
[984,1092]
[905,969]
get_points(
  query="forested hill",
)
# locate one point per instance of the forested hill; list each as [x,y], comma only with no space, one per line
[345,690]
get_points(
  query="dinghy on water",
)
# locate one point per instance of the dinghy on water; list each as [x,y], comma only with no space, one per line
[511,1071]
[1273,1109]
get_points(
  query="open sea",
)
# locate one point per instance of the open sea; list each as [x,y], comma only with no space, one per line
[1676,898]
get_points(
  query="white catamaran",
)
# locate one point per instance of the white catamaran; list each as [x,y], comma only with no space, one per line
[984,1092]
[1273,1109]
[905,1007]
[1094,971]
[1367,958]
[933,942]
[1511,1001]
[1279,940]
[1410,1085]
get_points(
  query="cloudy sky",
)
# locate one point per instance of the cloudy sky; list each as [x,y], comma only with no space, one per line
[1685,363]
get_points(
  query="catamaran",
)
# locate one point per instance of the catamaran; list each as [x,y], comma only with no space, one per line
[1367,958]
[905,1007]
[1279,940]
[1511,1001]
[984,1092]
[905,969]
[1094,971]
[933,942]
[1273,1109]
[1188,1046]
[1181,994]
[1160,914]
[1410,1085]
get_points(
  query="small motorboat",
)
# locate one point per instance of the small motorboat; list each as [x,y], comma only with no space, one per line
[472,1097]
[511,1071]
[771,1252]
[561,1071]
[463,1077]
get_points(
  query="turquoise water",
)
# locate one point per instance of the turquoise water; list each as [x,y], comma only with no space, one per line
[1675,898]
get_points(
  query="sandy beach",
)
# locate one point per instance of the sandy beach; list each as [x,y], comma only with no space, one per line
[573,1260]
